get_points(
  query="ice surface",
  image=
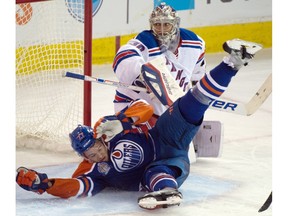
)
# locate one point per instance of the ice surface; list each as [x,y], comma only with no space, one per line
[112,201]
[236,184]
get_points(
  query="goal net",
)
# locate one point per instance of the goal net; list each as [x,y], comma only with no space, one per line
[49,42]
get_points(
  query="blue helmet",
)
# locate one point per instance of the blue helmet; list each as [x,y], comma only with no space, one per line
[82,138]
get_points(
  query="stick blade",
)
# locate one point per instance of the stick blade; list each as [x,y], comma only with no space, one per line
[248,108]
[260,97]
[267,203]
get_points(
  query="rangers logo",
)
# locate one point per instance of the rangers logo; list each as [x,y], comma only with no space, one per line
[127,155]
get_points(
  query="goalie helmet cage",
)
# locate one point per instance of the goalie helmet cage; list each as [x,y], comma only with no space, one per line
[50,39]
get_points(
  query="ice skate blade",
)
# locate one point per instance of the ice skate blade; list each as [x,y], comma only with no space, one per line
[151,203]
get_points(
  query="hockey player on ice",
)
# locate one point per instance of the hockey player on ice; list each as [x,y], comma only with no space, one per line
[157,161]
[183,49]
[184,52]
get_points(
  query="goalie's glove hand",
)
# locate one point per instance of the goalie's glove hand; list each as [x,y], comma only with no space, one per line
[109,126]
[140,82]
[31,180]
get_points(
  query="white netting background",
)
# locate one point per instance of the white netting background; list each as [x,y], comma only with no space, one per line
[48,106]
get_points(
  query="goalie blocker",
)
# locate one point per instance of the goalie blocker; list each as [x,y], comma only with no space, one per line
[159,80]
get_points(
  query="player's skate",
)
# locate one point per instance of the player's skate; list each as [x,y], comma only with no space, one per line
[241,52]
[160,199]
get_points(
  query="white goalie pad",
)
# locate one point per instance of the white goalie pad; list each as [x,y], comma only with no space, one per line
[208,140]
[160,81]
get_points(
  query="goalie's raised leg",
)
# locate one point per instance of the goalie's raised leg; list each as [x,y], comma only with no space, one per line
[160,199]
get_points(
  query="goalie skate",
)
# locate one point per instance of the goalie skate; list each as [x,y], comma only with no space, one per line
[241,51]
[160,199]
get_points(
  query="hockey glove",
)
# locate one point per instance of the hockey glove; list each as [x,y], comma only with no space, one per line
[160,81]
[109,126]
[31,180]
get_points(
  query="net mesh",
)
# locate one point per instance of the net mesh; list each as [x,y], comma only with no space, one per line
[49,42]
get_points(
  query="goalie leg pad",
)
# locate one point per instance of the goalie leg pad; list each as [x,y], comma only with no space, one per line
[208,140]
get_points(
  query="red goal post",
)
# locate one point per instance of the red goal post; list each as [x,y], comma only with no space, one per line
[50,40]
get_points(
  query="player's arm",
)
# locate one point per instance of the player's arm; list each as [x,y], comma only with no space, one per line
[200,67]
[139,111]
[34,181]
[128,61]
[127,68]
[73,187]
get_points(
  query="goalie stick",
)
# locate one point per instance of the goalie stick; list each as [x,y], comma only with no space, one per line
[245,109]
[103,81]
[266,204]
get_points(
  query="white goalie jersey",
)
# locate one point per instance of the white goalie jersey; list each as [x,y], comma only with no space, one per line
[186,64]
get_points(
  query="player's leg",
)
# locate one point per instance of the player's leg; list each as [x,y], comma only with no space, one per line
[213,84]
[161,181]
[179,124]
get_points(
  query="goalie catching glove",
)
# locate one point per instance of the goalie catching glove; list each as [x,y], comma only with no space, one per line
[31,180]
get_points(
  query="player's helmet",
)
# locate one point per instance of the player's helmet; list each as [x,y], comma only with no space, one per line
[82,138]
[164,22]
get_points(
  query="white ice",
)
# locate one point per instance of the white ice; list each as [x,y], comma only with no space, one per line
[236,184]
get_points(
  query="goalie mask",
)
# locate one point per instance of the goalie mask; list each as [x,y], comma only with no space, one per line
[164,23]
[82,139]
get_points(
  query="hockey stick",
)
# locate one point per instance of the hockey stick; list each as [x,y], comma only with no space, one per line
[249,108]
[266,204]
[103,81]
[221,105]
